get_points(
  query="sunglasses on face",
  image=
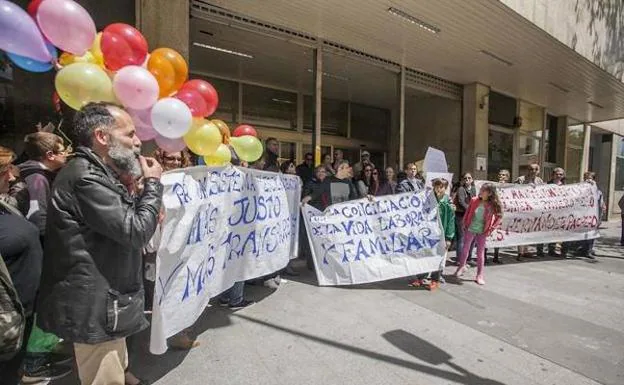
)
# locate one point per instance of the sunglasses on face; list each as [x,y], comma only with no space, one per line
[375,173]
[368,170]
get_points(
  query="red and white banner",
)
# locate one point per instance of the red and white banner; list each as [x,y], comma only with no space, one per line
[535,214]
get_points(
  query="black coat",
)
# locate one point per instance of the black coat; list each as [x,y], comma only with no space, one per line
[92,263]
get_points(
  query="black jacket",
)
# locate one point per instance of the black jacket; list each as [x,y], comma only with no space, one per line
[92,257]
[21,250]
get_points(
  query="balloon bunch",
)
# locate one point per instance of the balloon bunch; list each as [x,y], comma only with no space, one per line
[115,65]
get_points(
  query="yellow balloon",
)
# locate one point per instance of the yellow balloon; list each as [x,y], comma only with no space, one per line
[247,147]
[68,58]
[221,157]
[81,83]
[203,138]
[96,50]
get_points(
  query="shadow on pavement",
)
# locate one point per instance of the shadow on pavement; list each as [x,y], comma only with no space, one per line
[431,354]
[410,343]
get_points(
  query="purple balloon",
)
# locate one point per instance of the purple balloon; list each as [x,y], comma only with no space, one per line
[19,33]
[170,145]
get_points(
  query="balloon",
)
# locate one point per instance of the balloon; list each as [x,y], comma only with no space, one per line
[142,120]
[207,91]
[82,83]
[169,68]
[32,65]
[93,55]
[135,87]
[170,145]
[19,33]
[33,7]
[123,45]
[96,49]
[247,147]
[203,138]
[225,130]
[245,129]
[221,157]
[194,101]
[171,118]
[67,25]
[145,133]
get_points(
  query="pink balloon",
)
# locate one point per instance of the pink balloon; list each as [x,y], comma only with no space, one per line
[19,33]
[145,133]
[135,87]
[66,25]
[142,120]
[170,145]
[141,117]
[194,101]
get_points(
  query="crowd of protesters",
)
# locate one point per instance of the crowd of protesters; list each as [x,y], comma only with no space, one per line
[79,238]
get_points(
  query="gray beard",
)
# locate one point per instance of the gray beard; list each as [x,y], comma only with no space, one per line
[125,159]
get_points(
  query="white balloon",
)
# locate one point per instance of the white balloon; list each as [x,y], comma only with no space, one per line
[135,87]
[171,118]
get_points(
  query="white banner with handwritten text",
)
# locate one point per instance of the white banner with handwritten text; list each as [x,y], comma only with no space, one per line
[373,240]
[222,225]
[536,214]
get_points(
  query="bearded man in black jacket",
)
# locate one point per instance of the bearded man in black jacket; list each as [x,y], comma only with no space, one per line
[91,290]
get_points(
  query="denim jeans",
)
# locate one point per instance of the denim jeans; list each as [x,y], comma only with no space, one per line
[459,237]
[235,294]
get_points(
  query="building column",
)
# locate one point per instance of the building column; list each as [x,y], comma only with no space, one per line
[613,210]
[474,128]
[165,23]
[402,117]
[318,104]
[586,146]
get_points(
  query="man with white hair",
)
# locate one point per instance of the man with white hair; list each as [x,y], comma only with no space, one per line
[91,291]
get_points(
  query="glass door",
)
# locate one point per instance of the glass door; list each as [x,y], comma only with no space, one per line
[500,151]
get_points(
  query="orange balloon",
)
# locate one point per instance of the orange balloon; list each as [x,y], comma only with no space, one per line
[169,68]
[225,130]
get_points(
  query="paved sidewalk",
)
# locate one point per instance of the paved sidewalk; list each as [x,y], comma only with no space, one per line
[540,321]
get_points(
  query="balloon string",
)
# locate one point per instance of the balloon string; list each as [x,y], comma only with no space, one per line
[58,129]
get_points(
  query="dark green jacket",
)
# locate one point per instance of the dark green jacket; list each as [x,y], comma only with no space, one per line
[447,217]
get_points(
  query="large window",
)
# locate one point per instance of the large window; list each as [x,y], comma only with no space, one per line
[269,107]
[500,151]
[370,123]
[619,166]
[228,99]
[334,116]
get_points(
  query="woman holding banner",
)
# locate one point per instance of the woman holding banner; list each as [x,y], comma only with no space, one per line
[170,161]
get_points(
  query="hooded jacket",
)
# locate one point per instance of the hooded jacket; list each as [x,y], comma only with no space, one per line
[91,286]
[38,180]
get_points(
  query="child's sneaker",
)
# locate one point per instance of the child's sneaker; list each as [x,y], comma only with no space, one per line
[433,285]
[418,283]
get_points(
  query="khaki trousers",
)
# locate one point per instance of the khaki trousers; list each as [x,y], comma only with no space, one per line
[102,364]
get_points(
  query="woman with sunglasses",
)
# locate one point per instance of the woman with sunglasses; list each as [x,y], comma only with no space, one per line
[379,184]
[364,181]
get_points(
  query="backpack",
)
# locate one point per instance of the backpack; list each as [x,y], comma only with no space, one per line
[12,318]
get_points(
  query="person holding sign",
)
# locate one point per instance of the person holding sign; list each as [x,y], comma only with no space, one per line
[411,182]
[483,215]
[447,220]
